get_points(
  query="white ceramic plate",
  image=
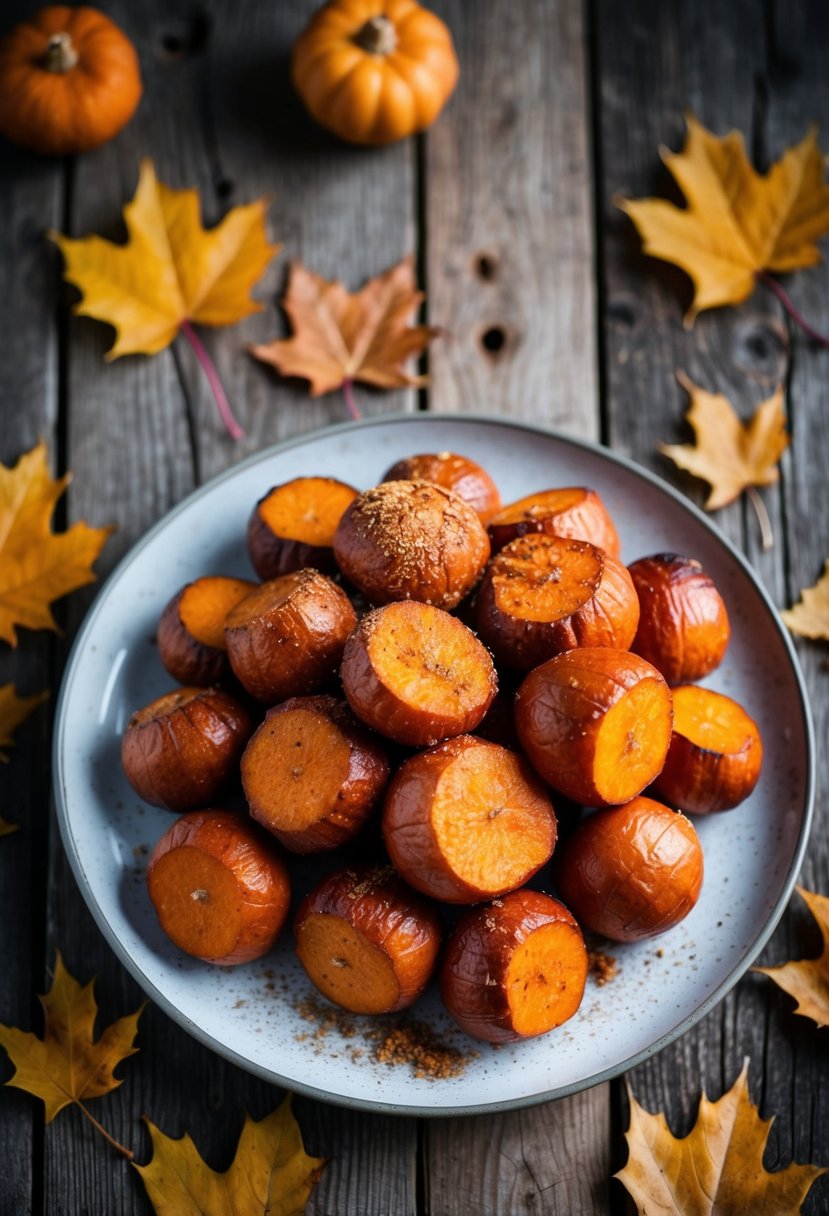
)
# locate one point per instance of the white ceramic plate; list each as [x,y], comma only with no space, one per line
[249,1014]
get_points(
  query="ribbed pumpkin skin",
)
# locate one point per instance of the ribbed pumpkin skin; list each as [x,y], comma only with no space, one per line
[59,113]
[369,97]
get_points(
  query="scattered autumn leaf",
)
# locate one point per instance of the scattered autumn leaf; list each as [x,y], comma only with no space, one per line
[13,711]
[728,454]
[36,565]
[340,337]
[717,1169]
[271,1174]
[808,980]
[737,223]
[67,1066]
[171,269]
[7,828]
[810,617]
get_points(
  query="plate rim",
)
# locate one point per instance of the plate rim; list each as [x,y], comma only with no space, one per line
[367,1104]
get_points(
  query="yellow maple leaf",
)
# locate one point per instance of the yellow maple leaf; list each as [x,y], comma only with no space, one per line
[271,1174]
[808,979]
[341,336]
[13,711]
[737,223]
[36,565]
[728,454]
[717,1169]
[171,270]
[66,1066]
[810,617]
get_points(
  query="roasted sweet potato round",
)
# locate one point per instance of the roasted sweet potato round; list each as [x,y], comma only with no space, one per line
[183,749]
[457,473]
[595,723]
[544,594]
[467,820]
[416,674]
[219,888]
[191,631]
[514,968]
[293,525]
[631,871]
[286,638]
[715,757]
[411,540]
[683,622]
[571,511]
[312,773]
[366,940]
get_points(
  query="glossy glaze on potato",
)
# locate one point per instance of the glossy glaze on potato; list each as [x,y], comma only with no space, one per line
[190,636]
[572,511]
[683,623]
[459,474]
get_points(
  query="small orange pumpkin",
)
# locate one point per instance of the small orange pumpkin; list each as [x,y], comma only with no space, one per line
[374,71]
[69,80]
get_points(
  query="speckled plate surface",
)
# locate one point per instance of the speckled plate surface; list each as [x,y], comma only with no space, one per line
[251,1014]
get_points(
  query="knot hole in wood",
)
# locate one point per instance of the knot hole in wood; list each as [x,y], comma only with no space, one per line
[191,38]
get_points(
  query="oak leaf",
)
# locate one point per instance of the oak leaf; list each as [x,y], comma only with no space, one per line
[728,454]
[67,1066]
[340,337]
[808,980]
[36,565]
[810,617]
[171,270]
[737,223]
[13,711]
[717,1169]
[271,1174]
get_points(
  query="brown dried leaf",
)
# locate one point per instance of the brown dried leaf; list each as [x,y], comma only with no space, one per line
[13,711]
[808,979]
[810,617]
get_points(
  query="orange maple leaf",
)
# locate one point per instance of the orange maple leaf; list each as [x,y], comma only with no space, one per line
[13,711]
[810,617]
[737,223]
[340,337]
[38,566]
[808,979]
[716,1168]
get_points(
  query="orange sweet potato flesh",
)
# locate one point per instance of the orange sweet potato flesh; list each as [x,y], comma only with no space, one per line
[716,753]
[571,511]
[416,674]
[467,820]
[220,891]
[294,524]
[204,606]
[190,635]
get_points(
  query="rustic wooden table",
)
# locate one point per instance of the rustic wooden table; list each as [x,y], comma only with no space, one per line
[555,316]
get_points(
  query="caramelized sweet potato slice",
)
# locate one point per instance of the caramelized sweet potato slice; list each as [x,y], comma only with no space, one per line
[293,525]
[459,474]
[416,674]
[544,594]
[571,511]
[312,774]
[191,633]
[683,623]
[515,968]
[467,820]
[366,940]
[715,756]
[595,723]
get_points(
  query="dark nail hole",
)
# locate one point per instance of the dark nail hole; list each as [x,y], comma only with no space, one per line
[192,40]
[621,311]
[486,266]
[493,339]
[224,187]
[172,45]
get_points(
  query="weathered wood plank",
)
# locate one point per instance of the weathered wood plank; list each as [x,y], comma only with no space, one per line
[509,254]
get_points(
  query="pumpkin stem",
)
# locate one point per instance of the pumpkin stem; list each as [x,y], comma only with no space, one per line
[60,54]
[378,35]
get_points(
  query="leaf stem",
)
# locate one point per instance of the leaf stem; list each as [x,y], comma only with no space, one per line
[209,369]
[792,309]
[348,397]
[766,533]
[127,1152]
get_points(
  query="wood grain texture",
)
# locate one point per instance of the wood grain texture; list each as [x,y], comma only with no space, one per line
[508,219]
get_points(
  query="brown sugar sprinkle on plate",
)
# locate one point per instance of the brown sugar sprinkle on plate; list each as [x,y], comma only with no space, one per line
[602,967]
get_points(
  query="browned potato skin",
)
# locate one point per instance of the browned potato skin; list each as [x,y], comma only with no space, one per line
[272,555]
[463,476]
[386,911]
[411,540]
[683,622]
[183,749]
[589,520]
[701,781]
[184,657]
[478,954]
[608,618]
[293,647]
[631,871]
[367,777]
[261,876]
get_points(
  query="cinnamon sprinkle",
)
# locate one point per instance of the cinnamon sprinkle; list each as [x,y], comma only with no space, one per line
[603,967]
